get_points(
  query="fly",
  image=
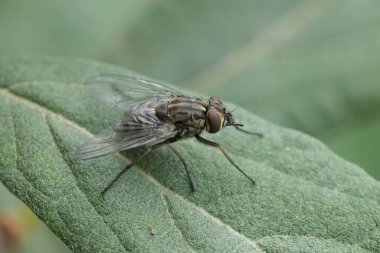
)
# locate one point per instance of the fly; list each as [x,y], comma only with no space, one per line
[154,116]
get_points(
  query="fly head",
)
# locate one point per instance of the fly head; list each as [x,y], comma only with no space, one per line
[216,117]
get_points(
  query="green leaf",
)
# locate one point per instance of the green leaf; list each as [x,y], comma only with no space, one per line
[306,199]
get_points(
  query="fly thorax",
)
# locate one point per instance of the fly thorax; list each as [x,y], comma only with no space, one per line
[185,109]
[188,114]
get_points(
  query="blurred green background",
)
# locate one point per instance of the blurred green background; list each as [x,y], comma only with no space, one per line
[309,65]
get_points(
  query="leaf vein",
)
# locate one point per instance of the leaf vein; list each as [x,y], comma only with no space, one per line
[168,210]
[17,151]
[59,148]
[310,237]
[22,174]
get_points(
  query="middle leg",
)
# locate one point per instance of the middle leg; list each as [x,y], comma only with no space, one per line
[216,145]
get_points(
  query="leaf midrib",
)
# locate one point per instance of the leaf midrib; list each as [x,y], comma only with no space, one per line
[54,138]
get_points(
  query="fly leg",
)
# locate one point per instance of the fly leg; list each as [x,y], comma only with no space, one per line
[130,165]
[214,144]
[248,132]
[184,165]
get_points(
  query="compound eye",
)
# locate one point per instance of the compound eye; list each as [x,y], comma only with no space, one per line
[214,122]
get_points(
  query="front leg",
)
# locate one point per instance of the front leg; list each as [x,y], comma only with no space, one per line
[216,145]
[248,132]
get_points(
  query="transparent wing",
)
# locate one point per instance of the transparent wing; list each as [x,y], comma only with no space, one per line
[137,98]
[124,92]
[126,135]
